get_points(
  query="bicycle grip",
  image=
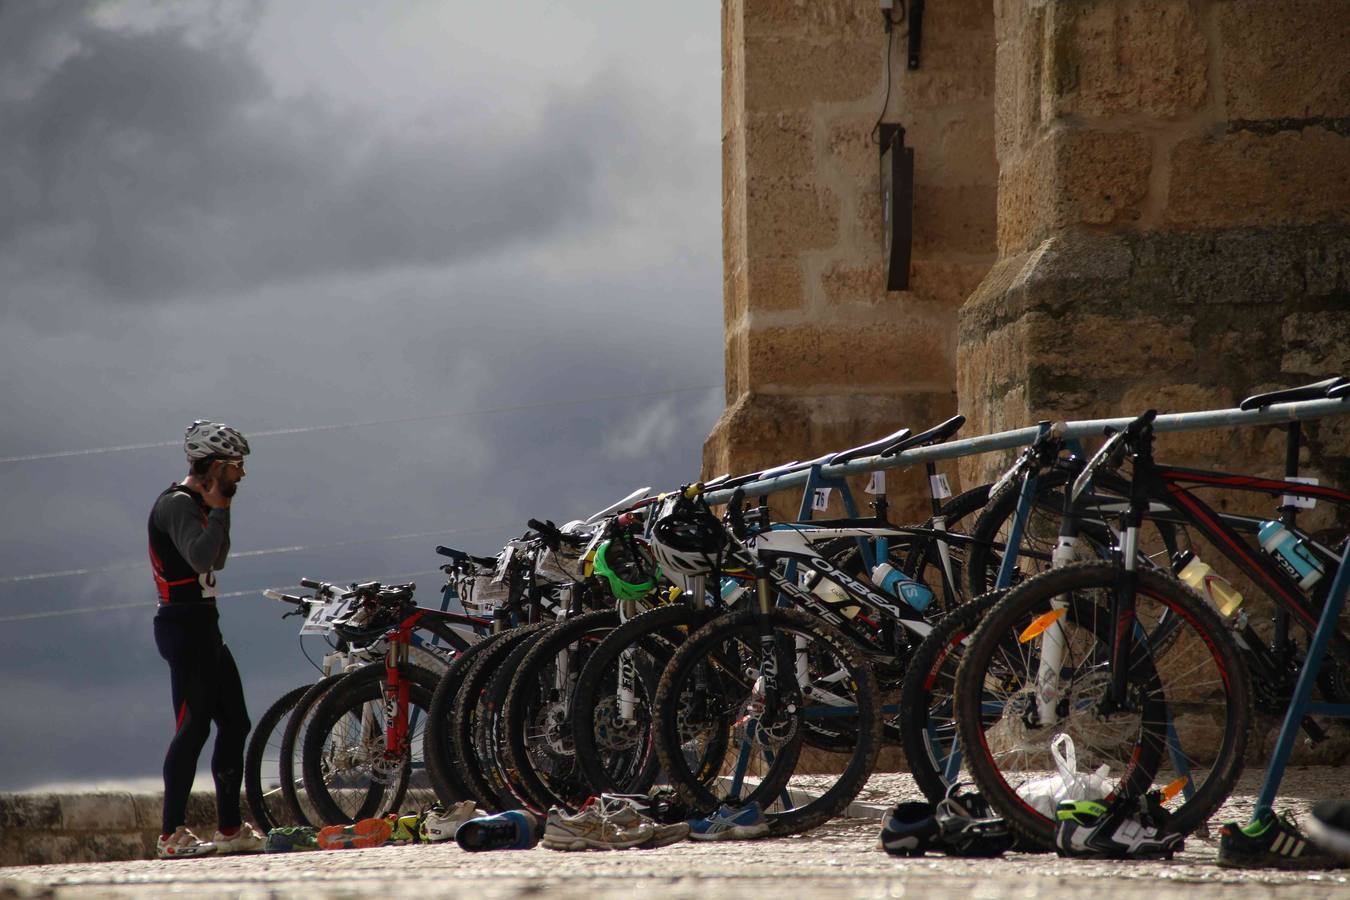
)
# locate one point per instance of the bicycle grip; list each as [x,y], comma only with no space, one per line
[311,584]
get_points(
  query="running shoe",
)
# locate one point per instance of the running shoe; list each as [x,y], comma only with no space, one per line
[595,829]
[731,823]
[291,839]
[182,844]
[909,829]
[1087,829]
[357,836]
[518,829]
[1275,843]
[1330,826]
[968,827]
[638,809]
[404,829]
[439,824]
[245,840]
[663,806]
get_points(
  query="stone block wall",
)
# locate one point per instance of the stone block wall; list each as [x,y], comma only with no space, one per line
[819,356]
[1173,219]
[65,828]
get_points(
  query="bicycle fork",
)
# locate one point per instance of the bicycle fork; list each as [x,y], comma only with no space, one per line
[396,697]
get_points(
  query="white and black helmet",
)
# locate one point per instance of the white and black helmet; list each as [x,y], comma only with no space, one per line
[688,540]
[207,439]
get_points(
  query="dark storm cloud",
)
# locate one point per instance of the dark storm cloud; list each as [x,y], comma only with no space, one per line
[348,263]
[149,164]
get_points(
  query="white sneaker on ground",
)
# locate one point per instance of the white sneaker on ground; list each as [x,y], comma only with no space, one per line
[182,844]
[439,824]
[245,840]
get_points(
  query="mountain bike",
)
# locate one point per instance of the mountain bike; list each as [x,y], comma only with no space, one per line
[362,749]
[1150,677]
[273,788]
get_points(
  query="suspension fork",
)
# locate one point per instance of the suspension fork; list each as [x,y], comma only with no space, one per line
[1123,623]
[1053,643]
[396,695]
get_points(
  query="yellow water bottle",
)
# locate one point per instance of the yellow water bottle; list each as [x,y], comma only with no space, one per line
[1219,591]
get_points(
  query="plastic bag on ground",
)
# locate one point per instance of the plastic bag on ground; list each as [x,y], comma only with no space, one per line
[1068,783]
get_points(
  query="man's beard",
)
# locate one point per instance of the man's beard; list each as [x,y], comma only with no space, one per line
[228,489]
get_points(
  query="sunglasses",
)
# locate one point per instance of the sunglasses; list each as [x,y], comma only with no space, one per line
[237,463]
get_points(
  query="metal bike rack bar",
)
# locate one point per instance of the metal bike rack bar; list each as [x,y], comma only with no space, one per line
[1003,440]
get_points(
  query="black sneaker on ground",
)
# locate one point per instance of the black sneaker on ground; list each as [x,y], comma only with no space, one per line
[1087,829]
[1275,843]
[909,829]
[968,827]
[1330,826]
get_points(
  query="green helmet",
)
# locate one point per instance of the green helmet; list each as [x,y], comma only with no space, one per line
[628,568]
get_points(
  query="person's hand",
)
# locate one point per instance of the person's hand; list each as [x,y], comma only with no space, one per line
[213,496]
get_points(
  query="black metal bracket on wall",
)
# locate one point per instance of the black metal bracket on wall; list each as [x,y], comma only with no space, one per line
[897,204]
[915,31]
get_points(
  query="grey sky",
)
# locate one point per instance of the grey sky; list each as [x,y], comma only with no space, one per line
[306,213]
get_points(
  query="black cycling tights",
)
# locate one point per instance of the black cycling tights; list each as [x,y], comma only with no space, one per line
[206,688]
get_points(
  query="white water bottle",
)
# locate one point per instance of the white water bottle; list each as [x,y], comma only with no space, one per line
[1294,556]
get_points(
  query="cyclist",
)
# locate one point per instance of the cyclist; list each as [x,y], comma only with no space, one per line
[189,540]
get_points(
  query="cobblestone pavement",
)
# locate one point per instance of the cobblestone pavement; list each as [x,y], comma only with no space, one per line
[833,862]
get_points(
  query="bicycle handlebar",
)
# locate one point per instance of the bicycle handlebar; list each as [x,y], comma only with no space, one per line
[459,556]
[284,598]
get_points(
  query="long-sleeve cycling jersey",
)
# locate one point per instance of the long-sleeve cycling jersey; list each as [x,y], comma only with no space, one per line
[189,541]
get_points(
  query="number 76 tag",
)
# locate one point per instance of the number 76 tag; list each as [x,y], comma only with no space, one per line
[820,500]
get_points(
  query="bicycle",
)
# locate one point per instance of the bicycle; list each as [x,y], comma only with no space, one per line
[272,787]
[363,745]
[1138,624]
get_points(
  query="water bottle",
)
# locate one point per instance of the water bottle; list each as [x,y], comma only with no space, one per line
[1219,591]
[732,590]
[1294,556]
[833,594]
[900,585]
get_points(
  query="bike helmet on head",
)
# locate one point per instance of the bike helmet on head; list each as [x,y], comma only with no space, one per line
[688,540]
[206,439]
[628,568]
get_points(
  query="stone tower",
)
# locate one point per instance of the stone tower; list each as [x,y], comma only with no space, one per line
[818,355]
[1118,204]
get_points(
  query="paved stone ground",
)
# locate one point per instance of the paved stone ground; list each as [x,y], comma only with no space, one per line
[837,861]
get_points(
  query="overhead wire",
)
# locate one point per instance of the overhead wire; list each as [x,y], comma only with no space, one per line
[143,604]
[307,429]
[243,554]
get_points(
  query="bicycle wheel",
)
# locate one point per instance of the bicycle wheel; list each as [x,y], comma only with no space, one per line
[489,728]
[345,760]
[616,754]
[725,678]
[1039,665]
[468,707]
[443,768]
[540,749]
[926,720]
[262,760]
[290,762]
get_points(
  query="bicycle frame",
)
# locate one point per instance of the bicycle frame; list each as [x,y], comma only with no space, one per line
[1167,484]
[396,688]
